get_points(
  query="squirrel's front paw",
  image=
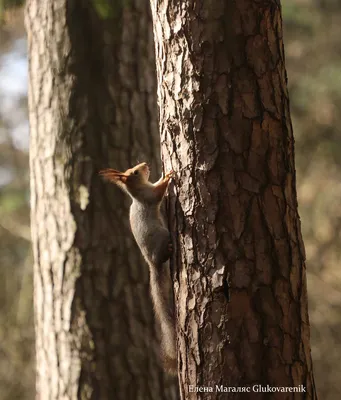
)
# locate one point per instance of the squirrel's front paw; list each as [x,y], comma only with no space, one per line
[170,247]
[169,174]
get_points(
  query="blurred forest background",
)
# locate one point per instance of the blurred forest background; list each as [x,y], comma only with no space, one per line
[312,36]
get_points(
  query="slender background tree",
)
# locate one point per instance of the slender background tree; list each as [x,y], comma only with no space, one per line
[240,277]
[92,103]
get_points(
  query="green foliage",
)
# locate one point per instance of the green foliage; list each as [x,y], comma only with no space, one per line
[104,8]
[110,8]
[302,17]
[11,200]
[13,3]
[7,4]
[312,37]
[326,80]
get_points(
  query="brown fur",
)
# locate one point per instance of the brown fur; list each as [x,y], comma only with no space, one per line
[153,240]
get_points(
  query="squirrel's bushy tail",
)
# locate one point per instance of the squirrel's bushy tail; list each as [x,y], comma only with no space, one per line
[162,307]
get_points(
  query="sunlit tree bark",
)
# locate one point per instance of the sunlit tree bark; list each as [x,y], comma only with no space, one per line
[240,276]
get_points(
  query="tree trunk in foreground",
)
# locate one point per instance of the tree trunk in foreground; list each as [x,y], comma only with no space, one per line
[240,277]
[92,104]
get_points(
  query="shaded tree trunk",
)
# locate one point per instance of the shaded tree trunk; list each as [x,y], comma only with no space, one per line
[92,104]
[240,276]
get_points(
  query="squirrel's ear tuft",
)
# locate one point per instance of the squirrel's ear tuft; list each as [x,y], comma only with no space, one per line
[113,175]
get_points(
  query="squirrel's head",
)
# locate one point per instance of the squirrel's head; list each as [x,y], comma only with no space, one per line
[129,179]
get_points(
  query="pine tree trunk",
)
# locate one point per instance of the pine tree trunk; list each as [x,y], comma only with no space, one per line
[240,275]
[92,105]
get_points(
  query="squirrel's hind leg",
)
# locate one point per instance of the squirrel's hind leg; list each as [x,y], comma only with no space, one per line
[166,249]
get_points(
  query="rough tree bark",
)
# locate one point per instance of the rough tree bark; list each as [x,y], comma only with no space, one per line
[240,276]
[92,103]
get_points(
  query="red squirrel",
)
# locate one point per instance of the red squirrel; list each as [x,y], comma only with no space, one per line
[153,240]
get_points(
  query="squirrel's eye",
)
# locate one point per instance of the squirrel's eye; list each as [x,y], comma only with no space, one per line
[136,172]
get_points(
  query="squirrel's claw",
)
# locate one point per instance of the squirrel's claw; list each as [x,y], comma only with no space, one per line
[169,174]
